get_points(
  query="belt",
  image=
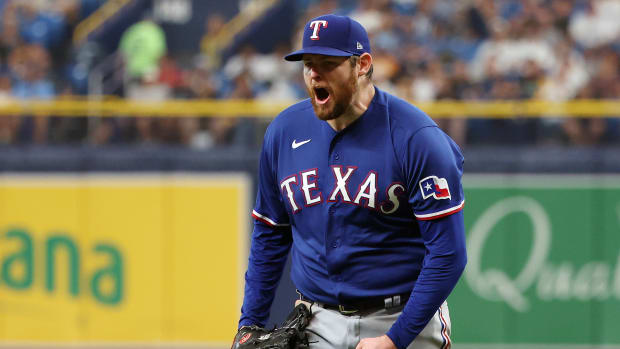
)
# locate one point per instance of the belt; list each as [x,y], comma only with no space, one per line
[363,305]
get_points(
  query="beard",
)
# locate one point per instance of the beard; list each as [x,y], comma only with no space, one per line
[339,102]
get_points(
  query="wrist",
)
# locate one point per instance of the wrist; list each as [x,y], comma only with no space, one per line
[389,341]
[392,338]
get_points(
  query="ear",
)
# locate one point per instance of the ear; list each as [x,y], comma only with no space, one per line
[365,63]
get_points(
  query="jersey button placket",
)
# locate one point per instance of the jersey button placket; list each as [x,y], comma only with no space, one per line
[335,156]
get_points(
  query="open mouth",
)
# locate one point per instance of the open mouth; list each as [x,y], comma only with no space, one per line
[321,94]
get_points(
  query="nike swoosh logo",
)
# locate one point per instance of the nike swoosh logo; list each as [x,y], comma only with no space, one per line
[296,145]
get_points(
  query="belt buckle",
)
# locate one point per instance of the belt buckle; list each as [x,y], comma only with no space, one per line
[344,311]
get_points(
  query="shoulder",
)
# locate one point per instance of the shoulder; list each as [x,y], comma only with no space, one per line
[295,115]
[406,115]
[413,132]
[298,115]
[405,119]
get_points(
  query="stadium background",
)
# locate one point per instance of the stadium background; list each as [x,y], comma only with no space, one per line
[129,137]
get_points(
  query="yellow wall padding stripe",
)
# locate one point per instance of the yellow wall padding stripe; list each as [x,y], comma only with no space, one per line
[111,107]
[96,19]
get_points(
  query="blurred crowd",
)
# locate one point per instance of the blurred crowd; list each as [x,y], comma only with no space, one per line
[423,50]
[35,63]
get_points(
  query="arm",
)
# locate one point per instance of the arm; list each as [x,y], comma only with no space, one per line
[271,241]
[442,268]
[268,252]
[441,271]
[433,158]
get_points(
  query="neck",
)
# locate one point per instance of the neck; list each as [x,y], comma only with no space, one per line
[359,103]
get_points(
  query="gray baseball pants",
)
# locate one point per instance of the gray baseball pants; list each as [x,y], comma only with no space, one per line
[329,329]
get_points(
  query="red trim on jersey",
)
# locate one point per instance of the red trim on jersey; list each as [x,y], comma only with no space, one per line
[262,220]
[444,331]
[444,213]
[266,220]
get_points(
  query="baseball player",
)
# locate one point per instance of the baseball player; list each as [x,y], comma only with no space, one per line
[364,190]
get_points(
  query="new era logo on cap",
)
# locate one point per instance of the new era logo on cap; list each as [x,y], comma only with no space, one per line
[332,35]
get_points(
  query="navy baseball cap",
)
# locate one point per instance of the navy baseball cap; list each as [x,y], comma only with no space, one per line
[332,35]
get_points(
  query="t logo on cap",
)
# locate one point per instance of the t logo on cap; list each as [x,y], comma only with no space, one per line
[345,38]
[316,25]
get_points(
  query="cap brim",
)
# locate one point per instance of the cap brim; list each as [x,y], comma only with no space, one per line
[317,50]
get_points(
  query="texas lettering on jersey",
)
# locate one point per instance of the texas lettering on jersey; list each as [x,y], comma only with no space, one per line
[390,169]
[366,194]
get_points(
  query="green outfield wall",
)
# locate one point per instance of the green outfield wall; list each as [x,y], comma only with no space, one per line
[543,262]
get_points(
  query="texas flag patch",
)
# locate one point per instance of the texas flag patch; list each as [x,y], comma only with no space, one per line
[435,187]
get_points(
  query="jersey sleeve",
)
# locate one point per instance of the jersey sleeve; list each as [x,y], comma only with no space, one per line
[443,265]
[271,242]
[269,207]
[434,167]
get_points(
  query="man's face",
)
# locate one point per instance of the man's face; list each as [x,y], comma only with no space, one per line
[331,83]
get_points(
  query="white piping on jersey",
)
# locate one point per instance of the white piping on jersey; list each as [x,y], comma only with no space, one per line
[267,219]
[443,213]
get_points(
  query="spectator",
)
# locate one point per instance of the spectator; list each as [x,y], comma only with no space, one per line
[597,24]
[426,50]
[369,14]
[236,131]
[563,83]
[275,79]
[202,83]
[452,87]
[566,78]
[45,28]
[29,65]
[169,73]
[143,45]
[504,54]
[240,62]
[9,38]
[68,130]
[603,85]
[208,44]
[9,123]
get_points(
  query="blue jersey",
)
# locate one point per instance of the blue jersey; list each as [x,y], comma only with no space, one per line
[373,210]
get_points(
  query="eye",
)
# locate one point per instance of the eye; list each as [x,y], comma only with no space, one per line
[332,64]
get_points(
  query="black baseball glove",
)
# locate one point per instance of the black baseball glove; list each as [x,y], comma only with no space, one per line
[290,335]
